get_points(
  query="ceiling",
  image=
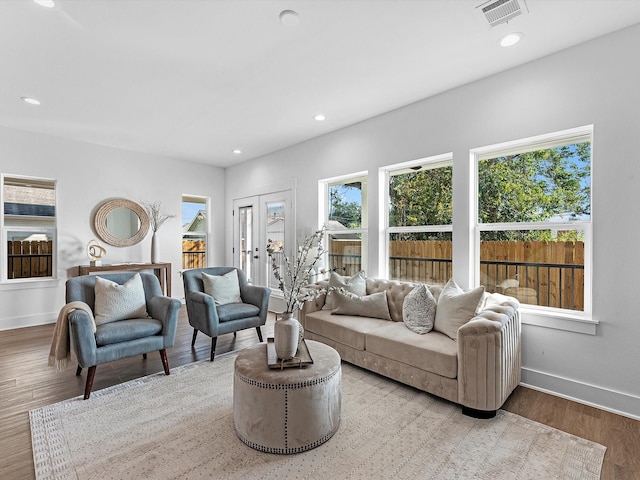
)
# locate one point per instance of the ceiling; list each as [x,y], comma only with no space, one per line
[196,79]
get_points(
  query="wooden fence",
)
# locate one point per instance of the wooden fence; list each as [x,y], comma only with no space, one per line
[540,273]
[194,254]
[28,259]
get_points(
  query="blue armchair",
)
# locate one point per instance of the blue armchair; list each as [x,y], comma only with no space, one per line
[214,320]
[122,338]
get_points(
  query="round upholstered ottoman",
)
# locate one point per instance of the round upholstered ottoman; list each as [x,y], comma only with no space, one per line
[290,410]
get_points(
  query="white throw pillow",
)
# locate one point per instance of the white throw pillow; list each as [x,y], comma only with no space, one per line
[455,308]
[115,302]
[419,310]
[374,305]
[356,285]
[223,288]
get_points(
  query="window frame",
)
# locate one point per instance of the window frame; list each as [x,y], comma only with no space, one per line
[565,319]
[324,209]
[27,223]
[384,174]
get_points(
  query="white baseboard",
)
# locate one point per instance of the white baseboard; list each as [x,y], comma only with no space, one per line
[27,320]
[613,401]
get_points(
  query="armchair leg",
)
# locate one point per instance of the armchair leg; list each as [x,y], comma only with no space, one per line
[78,371]
[193,339]
[165,362]
[259,334]
[213,347]
[91,373]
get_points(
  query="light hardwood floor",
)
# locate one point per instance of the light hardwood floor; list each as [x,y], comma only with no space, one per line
[26,382]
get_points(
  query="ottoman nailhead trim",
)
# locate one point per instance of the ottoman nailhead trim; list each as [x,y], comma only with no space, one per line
[284,386]
[286,419]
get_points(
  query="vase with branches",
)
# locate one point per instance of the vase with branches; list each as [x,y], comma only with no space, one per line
[156,220]
[293,274]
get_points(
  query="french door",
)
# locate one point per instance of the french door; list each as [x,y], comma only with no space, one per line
[257,220]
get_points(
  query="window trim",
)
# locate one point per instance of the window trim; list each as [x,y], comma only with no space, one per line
[30,223]
[563,319]
[323,213]
[384,173]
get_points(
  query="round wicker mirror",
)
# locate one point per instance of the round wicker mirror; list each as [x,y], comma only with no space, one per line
[121,222]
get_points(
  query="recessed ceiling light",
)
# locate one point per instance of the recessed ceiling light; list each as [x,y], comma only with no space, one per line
[46,3]
[289,18]
[30,100]
[320,117]
[237,151]
[511,39]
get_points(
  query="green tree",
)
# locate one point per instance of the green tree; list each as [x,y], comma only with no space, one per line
[535,186]
[348,213]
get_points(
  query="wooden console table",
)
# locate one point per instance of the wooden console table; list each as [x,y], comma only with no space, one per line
[161,270]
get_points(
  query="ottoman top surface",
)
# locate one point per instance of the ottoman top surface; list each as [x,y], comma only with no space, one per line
[251,363]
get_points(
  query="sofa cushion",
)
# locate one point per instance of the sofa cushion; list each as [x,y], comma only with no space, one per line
[374,305]
[456,307]
[115,302]
[356,285]
[433,351]
[419,310]
[345,329]
[223,288]
[234,311]
[125,330]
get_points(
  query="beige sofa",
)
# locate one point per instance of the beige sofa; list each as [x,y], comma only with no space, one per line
[478,371]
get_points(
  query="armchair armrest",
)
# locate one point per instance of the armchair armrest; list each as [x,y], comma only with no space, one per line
[166,310]
[258,296]
[83,340]
[489,357]
[202,312]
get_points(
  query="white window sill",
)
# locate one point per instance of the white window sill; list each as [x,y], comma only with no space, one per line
[29,283]
[560,320]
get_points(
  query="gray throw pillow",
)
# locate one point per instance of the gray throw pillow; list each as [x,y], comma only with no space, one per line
[356,285]
[455,308]
[419,310]
[115,302]
[374,306]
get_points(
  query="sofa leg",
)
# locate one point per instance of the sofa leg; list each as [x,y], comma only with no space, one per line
[165,362]
[213,347]
[482,414]
[91,373]
[144,356]
[78,371]
[193,339]
[259,334]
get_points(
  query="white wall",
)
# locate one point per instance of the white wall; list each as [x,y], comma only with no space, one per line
[87,175]
[594,83]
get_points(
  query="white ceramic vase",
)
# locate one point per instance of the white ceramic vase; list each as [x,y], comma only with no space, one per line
[286,336]
[154,248]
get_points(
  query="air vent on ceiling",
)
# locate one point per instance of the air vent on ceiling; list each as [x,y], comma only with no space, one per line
[500,11]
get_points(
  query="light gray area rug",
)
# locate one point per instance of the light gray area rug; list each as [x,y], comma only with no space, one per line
[181,426]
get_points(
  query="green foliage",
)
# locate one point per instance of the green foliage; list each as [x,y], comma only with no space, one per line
[348,213]
[421,198]
[535,186]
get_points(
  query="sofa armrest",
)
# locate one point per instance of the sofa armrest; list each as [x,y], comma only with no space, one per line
[489,357]
[314,303]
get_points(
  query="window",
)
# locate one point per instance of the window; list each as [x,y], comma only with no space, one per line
[345,216]
[534,220]
[28,228]
[418,201]
[194,231]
